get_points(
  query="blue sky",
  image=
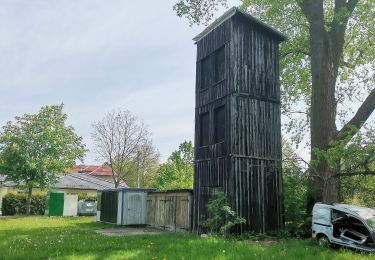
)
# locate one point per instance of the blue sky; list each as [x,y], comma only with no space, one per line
[94,56]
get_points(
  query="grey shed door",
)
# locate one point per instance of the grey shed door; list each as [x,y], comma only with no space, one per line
[135,209]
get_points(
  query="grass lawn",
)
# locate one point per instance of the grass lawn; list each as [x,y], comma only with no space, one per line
[75,238]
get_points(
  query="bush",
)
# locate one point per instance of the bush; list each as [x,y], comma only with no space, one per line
[222,217]
[82,196]
[295,194]
[15,204]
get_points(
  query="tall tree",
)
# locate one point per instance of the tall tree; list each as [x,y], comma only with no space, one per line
[121,140]
[37,147]
[178,171]
[327,67]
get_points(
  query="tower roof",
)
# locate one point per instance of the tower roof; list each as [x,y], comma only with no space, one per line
[236,11]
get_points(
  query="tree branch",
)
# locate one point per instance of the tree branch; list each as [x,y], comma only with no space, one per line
[363,113]
[350,174]
[295,51]
[355,62]
[351,5]
[343,11]
[297,112]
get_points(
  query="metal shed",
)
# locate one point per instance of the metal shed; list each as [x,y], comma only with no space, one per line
[122,206]
[170,210]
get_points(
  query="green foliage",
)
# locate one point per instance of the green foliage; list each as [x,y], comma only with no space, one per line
[358,190]
[15,204]
[198,12]
[36,147]
[221,217]
[351,154]
[178,172]
[356,69]
[82,196]
[295,192]
[353,160]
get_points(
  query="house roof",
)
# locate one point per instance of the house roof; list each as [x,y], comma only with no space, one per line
[83,181]
[236,11]
[129,190]
[95,170]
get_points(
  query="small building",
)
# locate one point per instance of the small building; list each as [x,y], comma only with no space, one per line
[122,206]
[73,183]
[237,120]
[170,210]
[59,203]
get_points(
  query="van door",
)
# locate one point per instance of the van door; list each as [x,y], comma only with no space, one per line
[322,216]
[322,221]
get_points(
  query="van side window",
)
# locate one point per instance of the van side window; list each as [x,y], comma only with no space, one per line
[337,215]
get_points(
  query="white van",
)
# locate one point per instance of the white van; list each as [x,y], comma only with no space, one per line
[345,225]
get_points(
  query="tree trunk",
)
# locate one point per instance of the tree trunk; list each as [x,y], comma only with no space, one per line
[323,131]
[115,176]
[323,105]
[138,179]
[326,49]
[116,179]
[28,200]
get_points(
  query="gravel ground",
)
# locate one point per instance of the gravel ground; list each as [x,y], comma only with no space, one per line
[129,231]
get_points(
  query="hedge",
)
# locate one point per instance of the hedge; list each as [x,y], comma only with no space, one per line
[15,204]
[82,196]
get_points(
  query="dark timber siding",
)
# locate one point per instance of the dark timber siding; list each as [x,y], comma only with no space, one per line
[108,207]
[246,163]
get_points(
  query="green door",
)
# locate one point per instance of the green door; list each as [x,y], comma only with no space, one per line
[56,203]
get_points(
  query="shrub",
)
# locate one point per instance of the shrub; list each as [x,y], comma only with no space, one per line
[295,194]
[82,196]
[15,204]
[222,217]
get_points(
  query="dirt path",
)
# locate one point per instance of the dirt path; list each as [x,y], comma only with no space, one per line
[129,231]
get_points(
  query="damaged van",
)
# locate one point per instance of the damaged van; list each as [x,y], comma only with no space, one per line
[344,225]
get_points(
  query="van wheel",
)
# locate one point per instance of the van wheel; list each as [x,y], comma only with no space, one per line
[323,241]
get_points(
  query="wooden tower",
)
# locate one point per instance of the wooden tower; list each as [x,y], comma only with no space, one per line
[237,120]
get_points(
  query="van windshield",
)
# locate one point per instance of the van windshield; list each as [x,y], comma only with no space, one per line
[371,222]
